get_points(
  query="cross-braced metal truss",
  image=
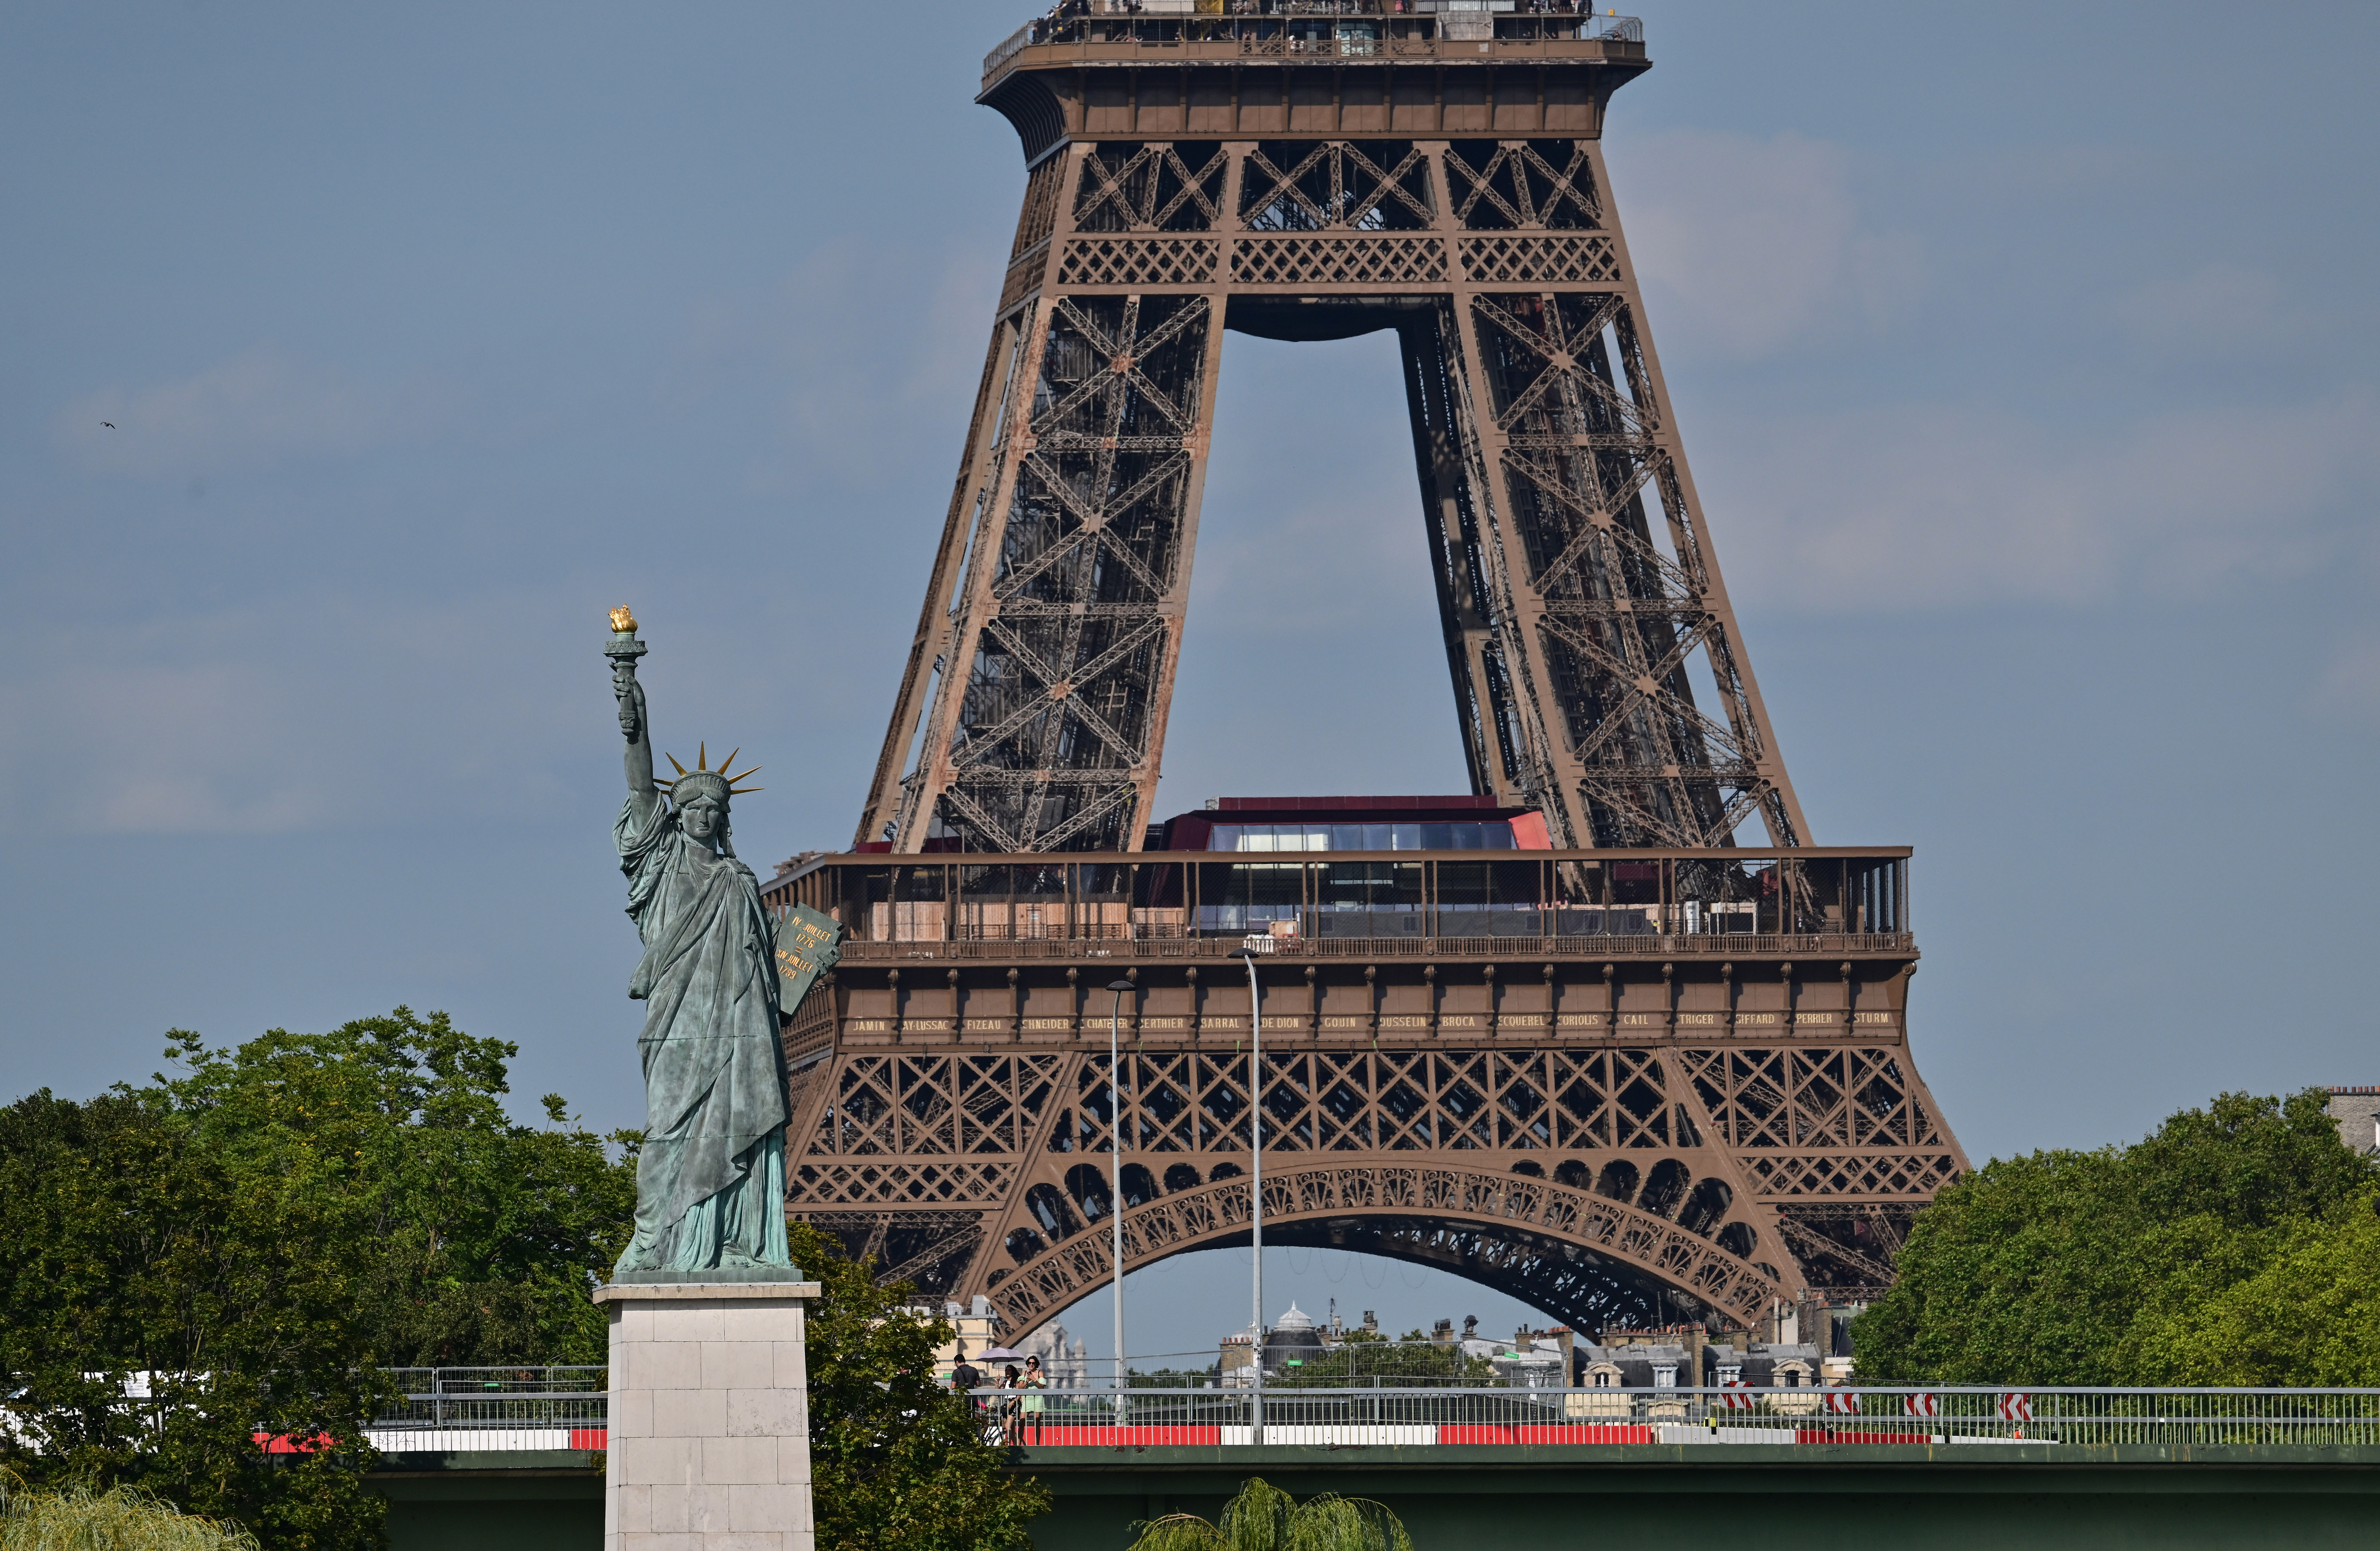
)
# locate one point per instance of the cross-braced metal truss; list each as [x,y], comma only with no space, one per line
[1315,186]
[1068,638]
[1597,672]
[1513,185]
[1619,617]
[1592,1180]
[1173,187]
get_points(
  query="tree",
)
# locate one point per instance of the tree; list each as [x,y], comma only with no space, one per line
[476,1241]
[2304,1317]
[896,1460]
[1264,1517]
[1363,1357]
[252,1240]
[2089,1267]
[120,1518]
[155,1314]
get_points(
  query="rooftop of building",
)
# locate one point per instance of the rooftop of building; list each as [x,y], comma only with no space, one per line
[1353,823]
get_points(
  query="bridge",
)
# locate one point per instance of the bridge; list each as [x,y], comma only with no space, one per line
[1488,1469]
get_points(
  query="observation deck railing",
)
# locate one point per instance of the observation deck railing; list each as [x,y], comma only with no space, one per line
[452,1410]
[1331,28]
[1394,904]
[1107,941]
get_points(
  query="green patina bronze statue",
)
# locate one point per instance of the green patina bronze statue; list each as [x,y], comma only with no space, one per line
[711,1182]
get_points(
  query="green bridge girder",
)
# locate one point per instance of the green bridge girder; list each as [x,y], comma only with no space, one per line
[1453,1497]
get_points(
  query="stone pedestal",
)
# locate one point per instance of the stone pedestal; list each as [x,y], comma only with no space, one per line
[709,1417]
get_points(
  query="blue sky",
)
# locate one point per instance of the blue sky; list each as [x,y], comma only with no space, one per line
[2023,354]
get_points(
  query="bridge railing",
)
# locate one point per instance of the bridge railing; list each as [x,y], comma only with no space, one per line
[1889,1415]
[567,1398]
[497,1409]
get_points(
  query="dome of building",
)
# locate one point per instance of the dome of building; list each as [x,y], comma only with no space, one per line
[1293,1340]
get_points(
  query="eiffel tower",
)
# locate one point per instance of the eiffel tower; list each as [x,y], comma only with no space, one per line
[1627,1063]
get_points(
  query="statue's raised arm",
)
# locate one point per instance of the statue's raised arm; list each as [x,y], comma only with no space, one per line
[710,1177]
[635,726]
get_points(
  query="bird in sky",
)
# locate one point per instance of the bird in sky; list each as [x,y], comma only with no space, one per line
[109,424]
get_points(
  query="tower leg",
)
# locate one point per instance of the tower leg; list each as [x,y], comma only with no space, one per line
[1043,728]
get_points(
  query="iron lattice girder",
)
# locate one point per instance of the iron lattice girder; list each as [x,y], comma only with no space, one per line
[1566,199]
[1682,1166]
[1066,613]
[1583,602]
[1496,1229]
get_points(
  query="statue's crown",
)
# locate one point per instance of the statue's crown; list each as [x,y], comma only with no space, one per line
[702,778]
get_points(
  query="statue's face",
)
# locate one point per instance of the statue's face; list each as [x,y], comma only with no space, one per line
[703,818]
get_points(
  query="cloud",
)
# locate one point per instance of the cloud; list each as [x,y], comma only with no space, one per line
[259,408]
[1912,507]
[1746,245]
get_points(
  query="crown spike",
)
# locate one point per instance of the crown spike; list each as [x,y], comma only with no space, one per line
[672,759]
[729,760]
[739,790]
[701,757]
[741,775]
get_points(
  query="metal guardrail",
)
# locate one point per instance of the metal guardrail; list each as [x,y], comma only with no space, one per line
[1267,27]
[1008,47]
[441,1400]
[1886,1415]
[545,1408]
[1097,942]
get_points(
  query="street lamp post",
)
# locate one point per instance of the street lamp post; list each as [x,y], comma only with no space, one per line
[1255,1179]
[1115,1183]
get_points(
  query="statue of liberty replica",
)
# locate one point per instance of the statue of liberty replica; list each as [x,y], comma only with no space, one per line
[710,1181]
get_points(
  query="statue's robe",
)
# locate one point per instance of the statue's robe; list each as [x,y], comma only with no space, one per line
[710,1181]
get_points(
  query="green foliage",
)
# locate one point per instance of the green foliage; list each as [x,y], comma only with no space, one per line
[476,1240]
[2305,1316]
[2117,1267]
[1392,1361]
[135,1249]
[256,1236]
[1264,1517]
[120,1518]
[897,1461]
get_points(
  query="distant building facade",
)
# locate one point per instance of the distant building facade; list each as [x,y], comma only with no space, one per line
[2356,1112]
[1067,1364]
[973,1327]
